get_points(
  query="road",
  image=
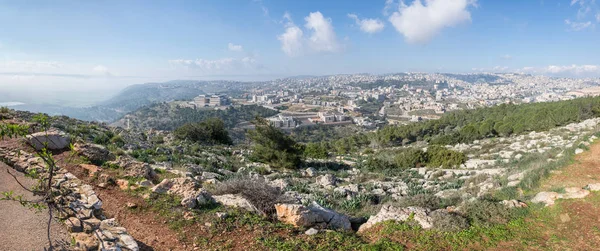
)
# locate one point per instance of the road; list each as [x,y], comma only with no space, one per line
[22,228]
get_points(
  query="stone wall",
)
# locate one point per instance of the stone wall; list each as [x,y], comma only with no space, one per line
[78,205]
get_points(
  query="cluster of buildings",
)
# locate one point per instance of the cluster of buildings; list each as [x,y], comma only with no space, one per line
[214,100]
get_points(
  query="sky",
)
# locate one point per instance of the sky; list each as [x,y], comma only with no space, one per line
[82,46]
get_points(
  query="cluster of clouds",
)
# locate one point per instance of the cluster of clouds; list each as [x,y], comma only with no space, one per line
[588,14]
[418,22]
[322,37]
[551,70]
[218,66]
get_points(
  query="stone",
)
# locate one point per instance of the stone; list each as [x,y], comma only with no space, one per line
[513,203]
[564,218]
[280,183]
[327,180]
[123,184]
[131,205]
[85,241]
[298,215]
[222,215]
[578,151]
[333,219]
[311,231]
[237,201]
[127,242]
[145,183]
[90,225]
[310,172]
[53,139]
[389,212]
[94,153]
[92,170]
[593,187]
[575,193]
[547,198]
[73,225]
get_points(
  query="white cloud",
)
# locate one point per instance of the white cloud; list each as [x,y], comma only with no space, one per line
[578,26]
[420,23]
[368,25]
[323,37]
[564,70]
[507,57]
[218,66]
[291,39]
[389,4]
[234,47]
[597,18]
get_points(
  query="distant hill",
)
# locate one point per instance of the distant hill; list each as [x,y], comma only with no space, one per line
[132,98]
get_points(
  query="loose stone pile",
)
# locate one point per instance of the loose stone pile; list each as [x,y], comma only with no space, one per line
[78,205]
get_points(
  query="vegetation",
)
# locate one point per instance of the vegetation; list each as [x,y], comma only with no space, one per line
[164,116]
[271,146]
[467,125]
[210,131]
[436,156]
[257,191]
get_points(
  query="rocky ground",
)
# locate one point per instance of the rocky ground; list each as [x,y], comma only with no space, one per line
[168,195]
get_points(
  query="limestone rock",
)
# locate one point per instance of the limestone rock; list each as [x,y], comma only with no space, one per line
[389,212]
[73,225]
[236,200]
[93,152]
[593,187]
[52,139]
[513,203]
[91,169]
[547,198]
[297,215]
[575,193]
[333,219]
[311,231]
[84,241]
[327,180]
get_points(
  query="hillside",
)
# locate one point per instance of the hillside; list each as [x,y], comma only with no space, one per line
[483,191]
[134,97]
[169,116]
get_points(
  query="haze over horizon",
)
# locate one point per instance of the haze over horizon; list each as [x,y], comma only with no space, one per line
[90,50]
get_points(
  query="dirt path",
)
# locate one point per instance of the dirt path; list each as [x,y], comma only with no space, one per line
[22,228]
[572,224]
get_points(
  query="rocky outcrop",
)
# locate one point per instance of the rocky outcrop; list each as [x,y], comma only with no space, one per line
[94,153]
[134,168]
[549,198]
[389,212]
[80,208]
[327,181]
[187,189]
[53,139]
[237,201]
[593,187]
[312,216]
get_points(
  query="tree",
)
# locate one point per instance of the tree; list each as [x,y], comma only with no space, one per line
[316,150]
[210,131]
[273,147]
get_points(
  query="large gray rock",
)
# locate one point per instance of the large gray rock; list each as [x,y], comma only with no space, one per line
[327,181]
[312,216]
[547,198]
[52,139]
[236,200]
[94,153]
[389,212]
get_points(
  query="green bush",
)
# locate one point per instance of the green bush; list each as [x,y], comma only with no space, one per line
[209,131]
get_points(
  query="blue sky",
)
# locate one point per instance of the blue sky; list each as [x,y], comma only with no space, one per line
[115,43]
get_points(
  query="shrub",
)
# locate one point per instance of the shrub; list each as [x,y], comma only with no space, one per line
[439,156]
[487,213]
[410,158]
[273,147]
[448,222]
[427,201]
[256,191]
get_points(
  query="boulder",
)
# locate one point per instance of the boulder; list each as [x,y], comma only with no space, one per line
[85,242]
[91,169]
[310,172]
[297,215]
[312,216]
[73,225]
[389,212]
[94,153]
[134,168]
[513,204]
[333,219]
[547,198]
[327,181]
[52,139]
[593,187]
[236,200]
[574,193]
